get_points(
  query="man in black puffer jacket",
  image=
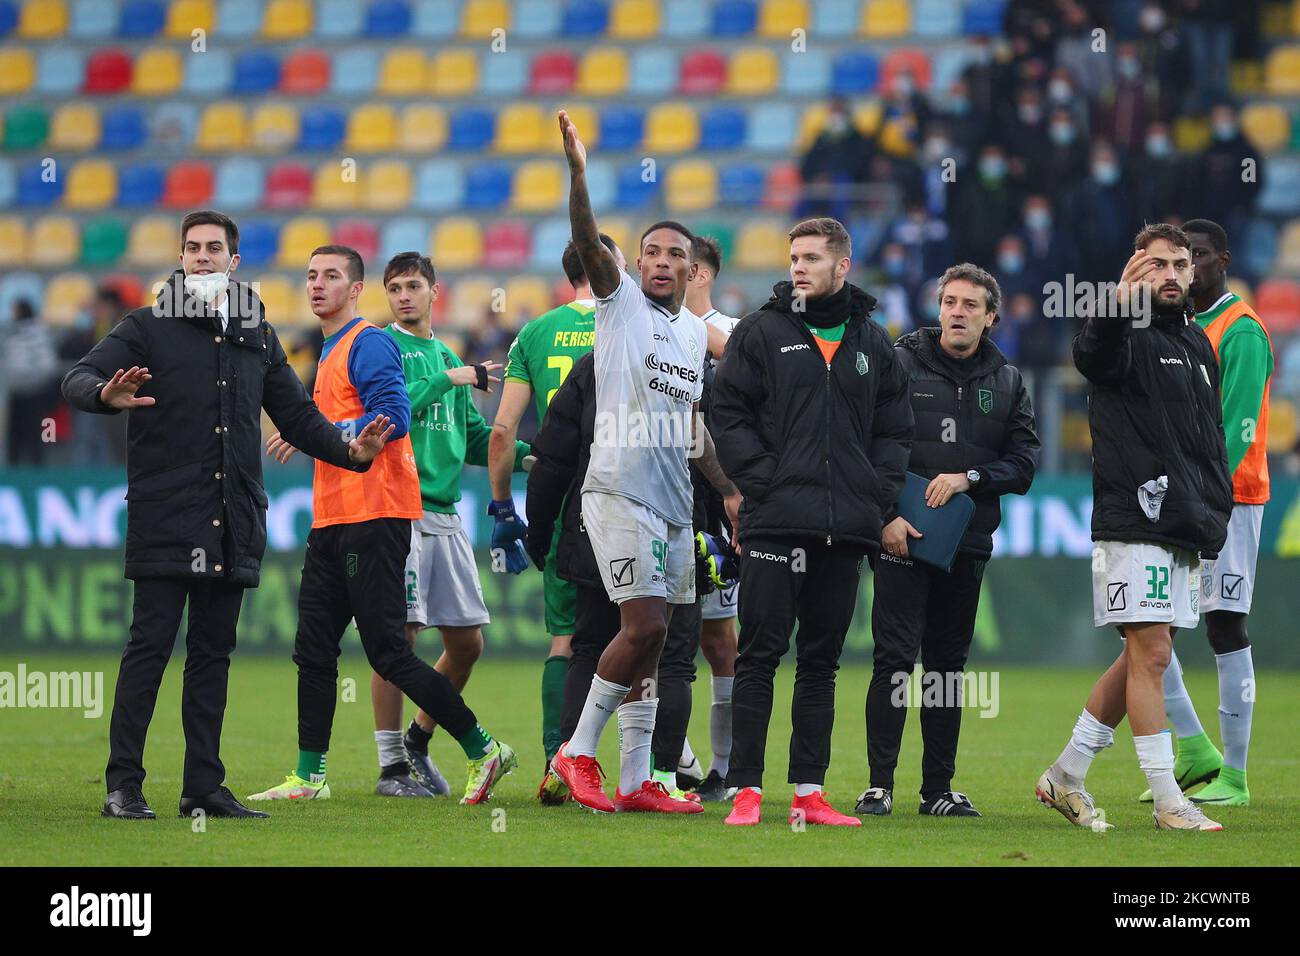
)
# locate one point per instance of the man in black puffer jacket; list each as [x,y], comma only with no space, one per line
[974,434]
[811,421]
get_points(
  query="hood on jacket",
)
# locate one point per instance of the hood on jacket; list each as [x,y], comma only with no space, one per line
[924,344]
[861,303]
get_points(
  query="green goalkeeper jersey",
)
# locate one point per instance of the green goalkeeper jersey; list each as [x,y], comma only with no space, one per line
[543,353]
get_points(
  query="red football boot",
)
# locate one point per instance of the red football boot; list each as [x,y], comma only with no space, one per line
[582,776]
[746,809]
[653,797]
[815,810]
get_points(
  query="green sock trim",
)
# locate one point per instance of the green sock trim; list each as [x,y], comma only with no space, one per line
[476,743]
[555,672]
[667,778]
[1233,777]
[310,762]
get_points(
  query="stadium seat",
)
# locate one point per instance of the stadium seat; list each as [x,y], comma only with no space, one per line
[256,72]
[92,184]
[672,128]
[153,241]
[540,185]
[54,241]
[487,186]
[361,235]
[782,187]
[258,241]
[17,71]
[337,185]
[602,183]
[221,127]
[773,127]
[103,242]
[1283,426]
[172,127]
[478,18]
[854,72]
[691,185]
[937,19]
[1281,193]
[550,236]
[439,185]
[108,71]
[127,285]
[89,20]
[454,73]
[186,16]
[386,19]
[686,19]
[983,17]
[339,19]
[506,244]
[372,128]
[585,18]
[36,186]
[305,73]
[553,72]
[470,299]
[906,60]
[1266,125]
[751,71]
[283,299]
[635,190]
[123,128]
[722,233]
[15,286]
[1278,303]
[778,19]
[8,183]
[762,245]
[210,74]
[1282,71]
[734,18]
[142,18]
[654,70]
[273,127]
[722,127]
[1288,249]
[322,129]
[60,70]
[471,129]
[885,19]
[404,235]
[26,127]
[834,18]
[704,73]
[524,128]
[404,72]
[239,183]
[43,20]
[1256,255]
[947,66]
[538,19]
[66,298]
[741,184]
[1191,134]
[288,186]
[603,72]
[355,71]
[621,127]
[13,243]
[287,19]
[526,298]
[188,186]
[634,19]
[373,301]
[298,238]
[75,128]
[805,74]
[457,243]
[503,76]
[434,19]
[240,19]
[388,186]
[157,72]
[422,129]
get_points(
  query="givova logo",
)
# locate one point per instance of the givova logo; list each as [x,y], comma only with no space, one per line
[77,909]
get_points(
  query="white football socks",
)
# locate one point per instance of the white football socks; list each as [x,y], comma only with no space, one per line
[389,744]
[720,725]
[602,701]
[1155,754]
[1178,703]
[1236,704]
[636,729]
[806,789]
[1090,737]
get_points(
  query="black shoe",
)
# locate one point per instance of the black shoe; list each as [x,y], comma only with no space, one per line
[127,804]
[714,789]
[877,801]
[219,803]
[426,773]
[950,803]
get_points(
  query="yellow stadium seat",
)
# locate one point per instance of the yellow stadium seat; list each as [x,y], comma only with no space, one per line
[1283,427]
[763,244]
[92,184]
[286,19]
[777,19]
[43,20]
[470,299]
[1288,249]
[388,185]
[274,127]
[691,185]
[810,124]
[1295,18]
[672,128]
[153,241]
[1191,134]
[222,127]
[457,243]
[334,188]
[157,72]
[17,71]
[1241,288]
[186,16]
[634,19]
[404,72]
[868,116]
[585,118]
[1282,71]
[298,238]
[13,241]
[66,297]
[602,72]
[480,17]
[524,128]
[373,301]
[752,71]
[75,127]
[54,241]
[886,19]
[526,296]
[286,301]
[423,129]
[454,73]
[539,186]
[623,234]
[372,128]
[1266,125]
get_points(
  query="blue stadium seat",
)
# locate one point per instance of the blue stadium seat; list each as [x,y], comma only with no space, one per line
[174,124]
[654,69]
[8,182]
[8,17]
[210,74]
[388,18]
[946,67]
[503,75]
[984,17]
[356,70]
[89,20]
[471,129]
[256,71]
[806,74]
[1257,252]
[487,186]
[322,128]
[585,18]
[550,236]
[936,19]
[602,183]
[621,127]
[142,18]
[741,184]
[238,184]
[259,240]
[60,70]
[734,18]
[339,19]
[439,186]
[124,128]
[538,19]
[773,127]
[1281,194]
[686,19]
[140,184]
[722,127]
[435,18]
[834,18]
[854,72]
[633,191]
[239,19]
[404,235]
[33,190]
[19,285]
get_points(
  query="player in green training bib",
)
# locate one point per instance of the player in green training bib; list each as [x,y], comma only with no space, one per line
[540,359]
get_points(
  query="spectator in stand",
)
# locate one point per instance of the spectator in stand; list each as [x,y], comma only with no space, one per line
[926,244]
[894,290]
[1207,24]
[1049,252]
[1063,158]
[1159,177]
[968,126]
[1164,55]
[1025,136]
[984,207]
[31,369]
[1224,192]
[1013,273]
[1102,215]
[835,166]
[1127,102]
[1075,50]
[1062,95]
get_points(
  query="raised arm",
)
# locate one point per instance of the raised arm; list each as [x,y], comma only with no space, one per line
[597,261]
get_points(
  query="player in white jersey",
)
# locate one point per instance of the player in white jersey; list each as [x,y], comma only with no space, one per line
[636,499]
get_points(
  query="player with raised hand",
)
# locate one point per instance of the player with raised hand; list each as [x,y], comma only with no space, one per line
[636,499]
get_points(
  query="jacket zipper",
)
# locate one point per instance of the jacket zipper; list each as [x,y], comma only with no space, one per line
[830,497]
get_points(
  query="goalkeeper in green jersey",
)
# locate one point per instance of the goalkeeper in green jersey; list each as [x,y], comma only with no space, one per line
[539,361]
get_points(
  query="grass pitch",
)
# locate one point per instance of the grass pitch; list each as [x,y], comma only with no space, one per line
[51,786]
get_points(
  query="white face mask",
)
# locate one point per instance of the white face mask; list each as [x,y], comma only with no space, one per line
[209,288]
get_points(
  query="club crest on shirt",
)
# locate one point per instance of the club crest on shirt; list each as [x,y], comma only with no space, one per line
[862,366]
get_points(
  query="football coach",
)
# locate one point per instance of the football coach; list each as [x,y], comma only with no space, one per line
[194,372]
[974,434]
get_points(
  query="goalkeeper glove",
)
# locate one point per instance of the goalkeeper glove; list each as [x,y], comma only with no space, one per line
[719,559]
[507,546]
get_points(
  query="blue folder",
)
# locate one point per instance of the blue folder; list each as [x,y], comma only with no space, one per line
[941,528]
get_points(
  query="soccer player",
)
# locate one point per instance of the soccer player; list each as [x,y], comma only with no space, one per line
[540,359]
[636,498]
[1245,355]
[1162,494]
[360,539]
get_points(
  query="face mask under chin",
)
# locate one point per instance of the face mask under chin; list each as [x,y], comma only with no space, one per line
[207,288]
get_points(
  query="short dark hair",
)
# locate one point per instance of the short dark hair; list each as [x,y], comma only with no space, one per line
[832,230]
[210,217]
[668,224]
[356,268]
[973,274]
[405,263]
[1205,227]
[571,262]
[707,250]
[1161,230]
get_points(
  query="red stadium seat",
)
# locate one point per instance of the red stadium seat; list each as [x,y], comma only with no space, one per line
[109,71]
[553,72]
[506,245]
[781,191]
[361,235]
[704,72]
[288,186]
[561,292]
[1277,301]
[128,286]
[906,60]
[188,185]
[305,73]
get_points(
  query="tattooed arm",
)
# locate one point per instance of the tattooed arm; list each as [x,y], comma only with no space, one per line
[597,261]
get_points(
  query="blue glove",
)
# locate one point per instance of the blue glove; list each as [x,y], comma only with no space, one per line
[508,534]
[723,568]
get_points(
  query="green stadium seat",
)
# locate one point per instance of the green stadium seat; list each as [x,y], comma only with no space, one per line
[26,127]
[103,242]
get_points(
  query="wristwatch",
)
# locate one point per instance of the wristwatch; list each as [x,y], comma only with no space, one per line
[973,476]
